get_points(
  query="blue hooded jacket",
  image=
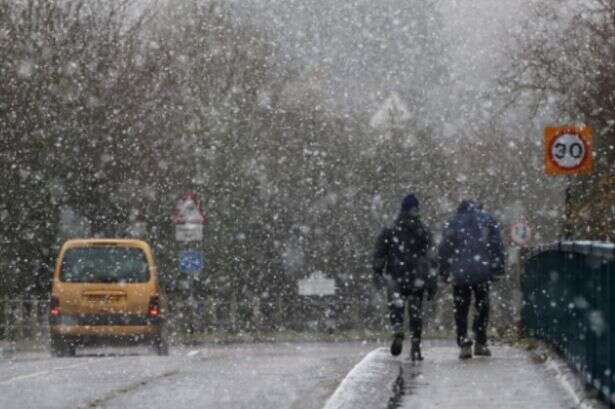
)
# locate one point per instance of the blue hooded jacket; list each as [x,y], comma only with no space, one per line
[471,250]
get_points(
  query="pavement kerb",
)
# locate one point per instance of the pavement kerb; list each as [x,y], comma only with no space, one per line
[567,377]
[371,384]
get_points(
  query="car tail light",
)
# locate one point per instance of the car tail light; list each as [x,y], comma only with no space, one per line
[54,306]
[153,310]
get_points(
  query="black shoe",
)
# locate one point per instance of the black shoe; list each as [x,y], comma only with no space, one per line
[398,343]
[466,352]
[415,351]
[481,350]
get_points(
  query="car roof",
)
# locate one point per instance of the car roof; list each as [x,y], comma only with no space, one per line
[111,241]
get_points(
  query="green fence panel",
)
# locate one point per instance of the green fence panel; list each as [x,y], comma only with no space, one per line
[528,303]
[568,291]
[610,373]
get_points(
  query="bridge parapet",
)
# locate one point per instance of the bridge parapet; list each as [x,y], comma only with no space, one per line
[568,301]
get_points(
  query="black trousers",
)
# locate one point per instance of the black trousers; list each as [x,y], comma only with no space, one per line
[462,298]
[397,307]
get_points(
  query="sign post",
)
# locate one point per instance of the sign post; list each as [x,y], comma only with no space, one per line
[189,220]
[568,152]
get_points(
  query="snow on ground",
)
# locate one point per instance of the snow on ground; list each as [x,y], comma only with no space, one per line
[287,375]
[369,384]
[254,376]
[508,379]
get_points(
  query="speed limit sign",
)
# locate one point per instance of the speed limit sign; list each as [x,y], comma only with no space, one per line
[568,151]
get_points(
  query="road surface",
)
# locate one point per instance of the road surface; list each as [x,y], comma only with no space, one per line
[254,376]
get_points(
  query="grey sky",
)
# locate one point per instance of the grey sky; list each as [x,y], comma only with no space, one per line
[364,50]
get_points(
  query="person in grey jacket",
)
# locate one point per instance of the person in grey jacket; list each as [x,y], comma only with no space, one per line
[471,255]
[400,260]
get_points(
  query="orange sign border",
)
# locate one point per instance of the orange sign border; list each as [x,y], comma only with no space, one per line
[551,134]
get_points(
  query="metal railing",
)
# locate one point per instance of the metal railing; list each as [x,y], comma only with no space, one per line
[28,319]
[23,318]
[568,290]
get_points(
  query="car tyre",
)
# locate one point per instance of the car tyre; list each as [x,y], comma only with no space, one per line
[60,347]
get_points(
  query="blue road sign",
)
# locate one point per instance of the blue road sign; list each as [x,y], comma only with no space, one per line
[190,261]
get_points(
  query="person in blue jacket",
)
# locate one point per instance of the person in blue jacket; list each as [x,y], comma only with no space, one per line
[471,255]
[401,260]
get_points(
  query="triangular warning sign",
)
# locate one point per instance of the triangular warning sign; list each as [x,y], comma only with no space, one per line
[188,211]
[393,112]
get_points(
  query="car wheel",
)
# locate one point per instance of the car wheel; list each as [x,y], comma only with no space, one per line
[60,347]
[71,349]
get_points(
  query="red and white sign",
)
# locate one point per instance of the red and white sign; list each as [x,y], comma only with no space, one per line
[188,232]
[189,218]
[188,210]
[568,150]
[521,233]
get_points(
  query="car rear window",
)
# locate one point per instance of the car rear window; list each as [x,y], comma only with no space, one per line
[104,264]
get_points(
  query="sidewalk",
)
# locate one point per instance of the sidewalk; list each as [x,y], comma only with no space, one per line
[508,379]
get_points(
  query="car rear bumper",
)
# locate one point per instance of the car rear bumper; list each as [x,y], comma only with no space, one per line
[100,320]
[105,331]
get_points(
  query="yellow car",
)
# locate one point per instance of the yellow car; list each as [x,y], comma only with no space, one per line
[106,291]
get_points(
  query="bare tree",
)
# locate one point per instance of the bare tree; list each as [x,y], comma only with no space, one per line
[564,61]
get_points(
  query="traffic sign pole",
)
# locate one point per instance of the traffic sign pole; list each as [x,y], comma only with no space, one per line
[568,209]
[189,220]
[568,152]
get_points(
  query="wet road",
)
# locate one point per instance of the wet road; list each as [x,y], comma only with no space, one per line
[255,376]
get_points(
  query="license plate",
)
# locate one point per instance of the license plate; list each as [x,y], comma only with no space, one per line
[104,298]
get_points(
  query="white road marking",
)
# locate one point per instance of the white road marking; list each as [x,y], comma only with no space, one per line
[41,373]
